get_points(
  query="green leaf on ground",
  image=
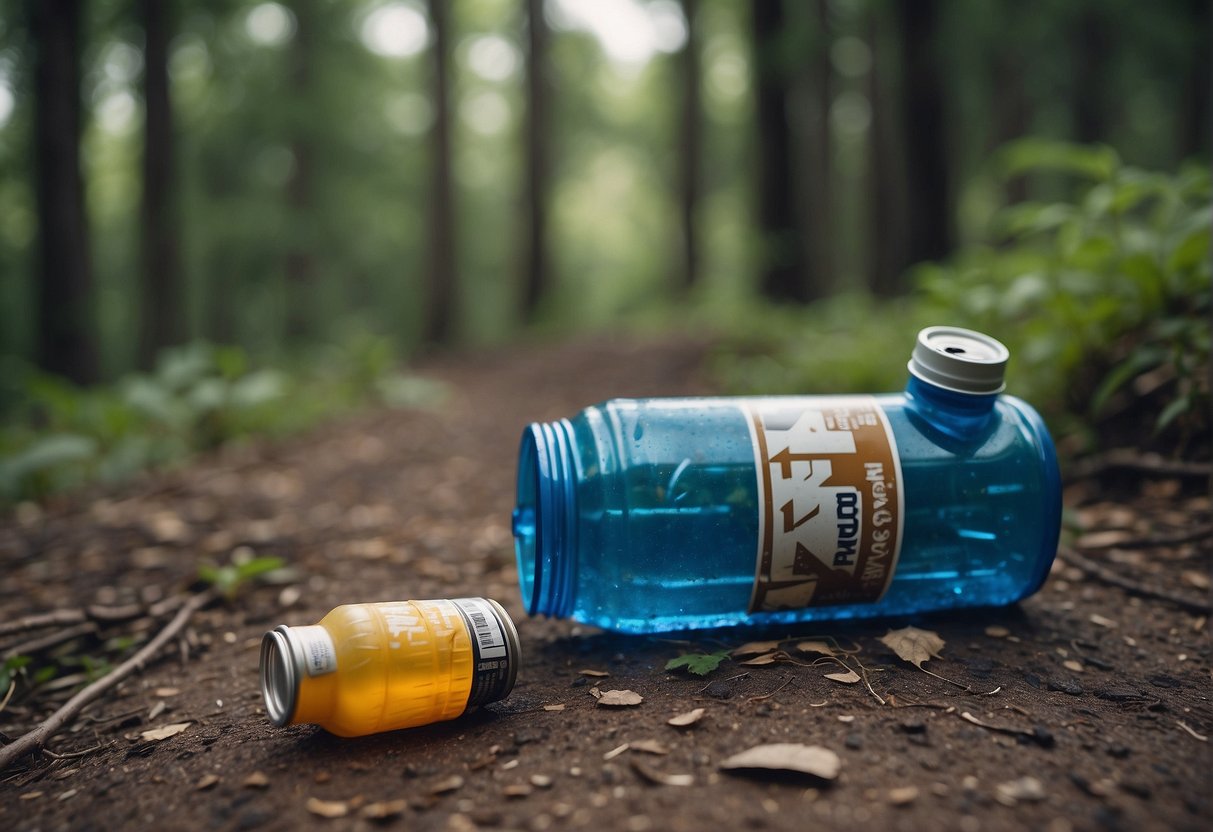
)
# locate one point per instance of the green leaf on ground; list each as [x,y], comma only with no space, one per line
[701,664]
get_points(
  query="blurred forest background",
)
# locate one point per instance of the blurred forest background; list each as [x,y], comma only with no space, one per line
[234,217]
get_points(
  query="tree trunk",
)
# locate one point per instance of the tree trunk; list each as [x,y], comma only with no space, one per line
[535,277]
[438,323]
[161,316]
[816,91]
[298,264]
[1195,128]
[784,276]
[886,183]
[66,339]
[928,181]
[690,146]
[1093,39]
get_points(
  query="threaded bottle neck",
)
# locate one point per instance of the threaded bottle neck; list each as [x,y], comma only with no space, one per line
[545,518]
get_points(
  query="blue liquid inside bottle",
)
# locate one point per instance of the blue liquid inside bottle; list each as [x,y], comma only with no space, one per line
[644,516]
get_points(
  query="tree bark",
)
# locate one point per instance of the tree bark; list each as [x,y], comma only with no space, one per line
[928,178]
[162,322]
[438,323]
[66,339]
[535,274]
[784,275]
[690,146]
[1092,55]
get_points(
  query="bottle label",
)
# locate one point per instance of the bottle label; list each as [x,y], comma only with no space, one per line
[830,501]
[490,650]
[319,654]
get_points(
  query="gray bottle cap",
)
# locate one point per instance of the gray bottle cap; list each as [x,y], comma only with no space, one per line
[959,360]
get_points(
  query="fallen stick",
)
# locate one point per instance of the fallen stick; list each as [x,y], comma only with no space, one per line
[36,739]
[1110,576]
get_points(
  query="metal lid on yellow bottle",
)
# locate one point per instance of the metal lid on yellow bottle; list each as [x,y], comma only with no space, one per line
[488,667]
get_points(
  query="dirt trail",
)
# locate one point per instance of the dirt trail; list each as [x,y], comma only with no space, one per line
[1094,705]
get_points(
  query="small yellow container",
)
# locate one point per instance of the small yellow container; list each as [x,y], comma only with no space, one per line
[378,667]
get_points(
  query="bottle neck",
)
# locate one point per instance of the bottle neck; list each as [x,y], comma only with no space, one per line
[959,415]
[545,518]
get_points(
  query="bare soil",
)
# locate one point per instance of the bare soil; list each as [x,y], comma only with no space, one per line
[1094,701]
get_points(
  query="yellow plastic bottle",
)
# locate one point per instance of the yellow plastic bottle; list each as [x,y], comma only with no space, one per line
[378,667]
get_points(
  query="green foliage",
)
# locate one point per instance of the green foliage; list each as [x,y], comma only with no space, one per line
[231,578]
[10,670]
[57,436]
[1098,296]
[701,664]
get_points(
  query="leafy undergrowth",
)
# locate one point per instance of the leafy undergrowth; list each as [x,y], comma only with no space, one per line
[56,436]
[1103,300]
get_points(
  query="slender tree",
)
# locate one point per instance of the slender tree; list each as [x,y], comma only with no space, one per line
[690,144]
[784,274]
[923,131]
[886,185]
[815,87]
[162,293]
[535,276]
[299,263]
[438,323]
[65,324]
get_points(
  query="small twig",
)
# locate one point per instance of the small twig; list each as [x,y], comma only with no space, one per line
[72,755]
[12,686]
[1200,737]
[1126,459]
[764,696]
[96,612]
[46,619]
[37,738]
[1109,576]
[1163,540]
[37,645]
[863,671]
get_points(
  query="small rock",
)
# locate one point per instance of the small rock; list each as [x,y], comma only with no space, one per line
[383,809]
[1033,680]
[541,781]
[1065,685]
[853,741]
[1163,680]
[914,727]
[447,785]
[1043,736]
[719,690]
[1119,695]
[208,781]
[903,796]
[1025,789]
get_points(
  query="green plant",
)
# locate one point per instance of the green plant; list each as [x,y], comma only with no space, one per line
[1103,299]
[230,578]
[701,664]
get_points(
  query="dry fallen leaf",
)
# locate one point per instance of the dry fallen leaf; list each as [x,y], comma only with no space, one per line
[903,796]
[660,778]
[553,707]
[616,751]
[848,678]
[1096,618]
[619,698]
[815,647]
[753,648]
[689,718]
[597,674]
[383,809]
[327,808]
[995,631]
[207,781]
[648,747]
[165,731]
[516,790]
[541,781]
[787,756]
[913,645]
[767,658]
[256,780]
[166,692]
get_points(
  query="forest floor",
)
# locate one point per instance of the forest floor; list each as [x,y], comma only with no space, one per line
[1087,706]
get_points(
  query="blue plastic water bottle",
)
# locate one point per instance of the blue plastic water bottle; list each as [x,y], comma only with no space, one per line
[648,515]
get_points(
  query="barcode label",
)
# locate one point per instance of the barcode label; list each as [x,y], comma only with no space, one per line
[489,635]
